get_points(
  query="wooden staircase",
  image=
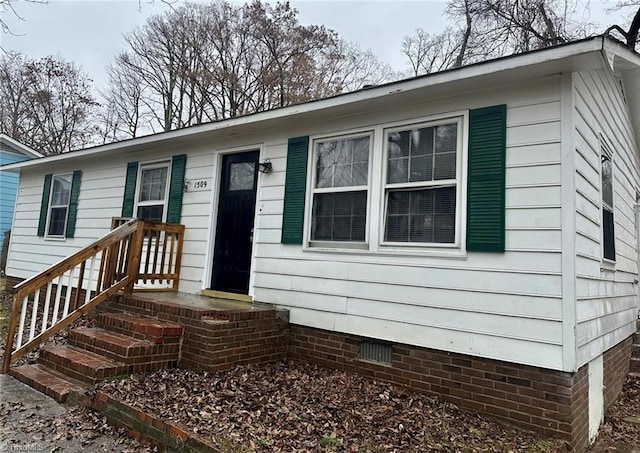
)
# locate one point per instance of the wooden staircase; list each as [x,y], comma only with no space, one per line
[120,344]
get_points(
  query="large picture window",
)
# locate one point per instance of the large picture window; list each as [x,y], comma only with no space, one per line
[421,184]
[152,192]
[341,178]
[59,205]
[608,233]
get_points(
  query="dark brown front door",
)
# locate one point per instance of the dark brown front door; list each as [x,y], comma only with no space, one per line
[234,227]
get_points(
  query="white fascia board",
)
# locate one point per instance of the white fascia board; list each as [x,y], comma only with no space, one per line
[21,147]
[483,69]
[625,58]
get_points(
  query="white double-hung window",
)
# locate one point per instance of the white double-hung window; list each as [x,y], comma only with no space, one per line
[422,179]
[340,189]
[153,192]
[397,187]
[59,206]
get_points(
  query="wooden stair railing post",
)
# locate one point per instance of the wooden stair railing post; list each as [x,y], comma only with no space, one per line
[135,251]
[13,325]
[178,257]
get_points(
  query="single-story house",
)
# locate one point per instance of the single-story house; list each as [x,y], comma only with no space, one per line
[474,232]
[11,151]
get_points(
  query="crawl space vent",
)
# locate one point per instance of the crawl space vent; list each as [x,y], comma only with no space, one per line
[375,352]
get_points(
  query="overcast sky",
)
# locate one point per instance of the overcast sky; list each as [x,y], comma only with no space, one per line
[89,32]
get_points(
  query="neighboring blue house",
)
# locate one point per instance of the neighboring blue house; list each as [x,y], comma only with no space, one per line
[11,151]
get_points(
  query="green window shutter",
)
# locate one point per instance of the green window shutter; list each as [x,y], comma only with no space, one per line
[130,189]
[44,205]
[73,204]
[486,179]
[295,190]
[176,188]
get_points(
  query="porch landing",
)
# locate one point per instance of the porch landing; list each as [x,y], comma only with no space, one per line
[207,303]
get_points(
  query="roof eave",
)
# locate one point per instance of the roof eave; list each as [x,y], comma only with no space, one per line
[490,67]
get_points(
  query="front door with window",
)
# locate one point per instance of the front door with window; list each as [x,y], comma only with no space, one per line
[234,227]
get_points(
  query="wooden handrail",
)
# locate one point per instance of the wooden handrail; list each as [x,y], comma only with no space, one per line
[116,258]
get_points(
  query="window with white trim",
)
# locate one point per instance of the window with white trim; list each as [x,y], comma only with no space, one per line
[340,188]
[608,222]
[415,196]
[59,205]
[151,200]
[421,184]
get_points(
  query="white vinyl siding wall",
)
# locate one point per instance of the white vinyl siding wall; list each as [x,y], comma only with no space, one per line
[606,294]
[504,306]
[100,199]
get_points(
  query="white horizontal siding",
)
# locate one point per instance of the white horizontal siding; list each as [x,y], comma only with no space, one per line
[607,303]
[504,306]
[494,305]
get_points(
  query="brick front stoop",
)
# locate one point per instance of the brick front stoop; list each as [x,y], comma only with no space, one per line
[140,334]
[119,345]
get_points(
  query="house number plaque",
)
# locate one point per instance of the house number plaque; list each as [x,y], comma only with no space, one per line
[199,185]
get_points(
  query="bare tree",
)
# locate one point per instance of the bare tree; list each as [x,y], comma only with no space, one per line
[206,62]
[429,52]
[45,103]
[492,28]
[631,35]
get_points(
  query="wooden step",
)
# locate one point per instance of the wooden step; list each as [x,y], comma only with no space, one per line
[635,365]
[47,381]
[635,350]
[148,329]
[80,364]
[139,355]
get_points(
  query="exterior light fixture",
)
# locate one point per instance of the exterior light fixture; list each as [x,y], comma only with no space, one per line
[265,166]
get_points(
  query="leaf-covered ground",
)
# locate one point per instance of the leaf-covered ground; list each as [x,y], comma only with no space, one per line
[293,406]
[621,429]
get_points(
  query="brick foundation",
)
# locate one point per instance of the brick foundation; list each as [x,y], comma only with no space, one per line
[11,282]
[552,402]
[616,368]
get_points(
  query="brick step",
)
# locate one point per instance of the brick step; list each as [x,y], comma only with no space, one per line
[139,355]
[109,344]
[148,329]
[635,365]
[635,350]
[47,381]
[80,364]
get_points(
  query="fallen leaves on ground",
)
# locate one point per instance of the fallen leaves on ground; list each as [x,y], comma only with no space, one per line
[618,434]
[293,406]
[6,302]
[76,430]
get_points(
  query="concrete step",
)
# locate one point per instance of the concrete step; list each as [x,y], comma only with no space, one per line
[149,329]
[635,365]
[47,381]
[139,355]
[80,364]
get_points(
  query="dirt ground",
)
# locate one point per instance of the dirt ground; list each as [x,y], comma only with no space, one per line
[291,406]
